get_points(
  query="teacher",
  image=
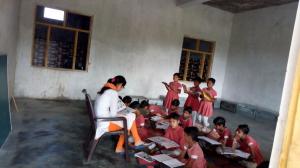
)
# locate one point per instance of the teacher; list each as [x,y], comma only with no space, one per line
[106,105]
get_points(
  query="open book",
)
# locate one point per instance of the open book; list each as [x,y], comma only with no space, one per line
[162,125]
[165,142]
[144,156]
[236,152]
[126,110]
[211,141]
[168,161]
[156,118]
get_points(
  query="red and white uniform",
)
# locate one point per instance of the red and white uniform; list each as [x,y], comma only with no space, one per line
[206,107]
[196,156]
[172,95]
[176,135]
[192,100]
[245,145]
[186,122]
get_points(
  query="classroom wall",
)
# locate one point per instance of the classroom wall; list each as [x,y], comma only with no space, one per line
[9,19]
[139,39]
[258,55]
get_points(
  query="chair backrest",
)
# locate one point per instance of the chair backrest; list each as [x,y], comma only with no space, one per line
[90,110]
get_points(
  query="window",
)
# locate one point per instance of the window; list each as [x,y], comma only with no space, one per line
[61,39]
[196,59]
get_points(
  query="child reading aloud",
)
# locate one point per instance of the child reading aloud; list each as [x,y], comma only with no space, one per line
[173,88]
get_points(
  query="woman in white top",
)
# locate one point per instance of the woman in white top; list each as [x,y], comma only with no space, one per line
[107,105]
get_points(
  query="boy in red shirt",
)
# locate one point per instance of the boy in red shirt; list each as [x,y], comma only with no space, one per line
[175,132]
[246,143]
[221,133]
[186,118]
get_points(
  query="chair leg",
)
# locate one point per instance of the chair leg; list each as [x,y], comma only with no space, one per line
[126,146]
[92,148]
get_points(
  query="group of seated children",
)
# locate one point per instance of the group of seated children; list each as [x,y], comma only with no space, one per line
[241,140]
[181,128]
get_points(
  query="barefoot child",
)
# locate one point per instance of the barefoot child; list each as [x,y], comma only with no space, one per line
[173,88]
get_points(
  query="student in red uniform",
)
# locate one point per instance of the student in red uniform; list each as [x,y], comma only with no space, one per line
[175,132]
[246,143]
[139,120]
[221,133]
[196,157]
[174,107]
[173,88]
[186,118]
[208,96]
[193,95]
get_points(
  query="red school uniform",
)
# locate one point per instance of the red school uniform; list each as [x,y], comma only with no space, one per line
[226,134]
[245,145]
[172,95]
[192,100]
[176,135]
[140,123]
[196,156]
[155,109]
[175,110]
[186,122]
[206,107]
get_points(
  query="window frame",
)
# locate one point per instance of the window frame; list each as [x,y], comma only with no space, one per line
[204,55]
[64,27]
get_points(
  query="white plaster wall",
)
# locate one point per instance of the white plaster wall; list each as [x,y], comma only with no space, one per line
[139,39]
[212,24]
[9,14]
[258,55]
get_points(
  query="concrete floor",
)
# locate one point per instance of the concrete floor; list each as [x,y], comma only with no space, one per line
[50,134]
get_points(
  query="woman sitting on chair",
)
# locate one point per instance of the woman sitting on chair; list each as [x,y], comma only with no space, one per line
[107,104]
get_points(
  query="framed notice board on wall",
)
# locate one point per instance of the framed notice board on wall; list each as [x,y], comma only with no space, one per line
[5,122]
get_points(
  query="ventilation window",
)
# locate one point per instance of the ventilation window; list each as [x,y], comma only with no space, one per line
[54,14]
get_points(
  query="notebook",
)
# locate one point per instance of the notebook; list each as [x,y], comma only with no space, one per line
[165,142]
[211,141]
[167,160]
[236,152]
[144,156]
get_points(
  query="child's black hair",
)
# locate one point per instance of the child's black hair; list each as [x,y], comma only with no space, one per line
[219,121]
[244,128]
[198,79]
[127,99]
[134,105]
[174,116]
[176,74]
[175,102]
[144,104]
[188,109]
[212,80]
[115,81]
[192,132]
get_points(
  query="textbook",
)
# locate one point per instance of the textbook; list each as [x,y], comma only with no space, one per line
[167,160]
[126,110]
[156,118]
[211,141]
[165,142]
[144,156]
[236,152]
[162,125]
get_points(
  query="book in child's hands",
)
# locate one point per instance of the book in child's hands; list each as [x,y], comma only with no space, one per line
[144,156]
[167,160]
